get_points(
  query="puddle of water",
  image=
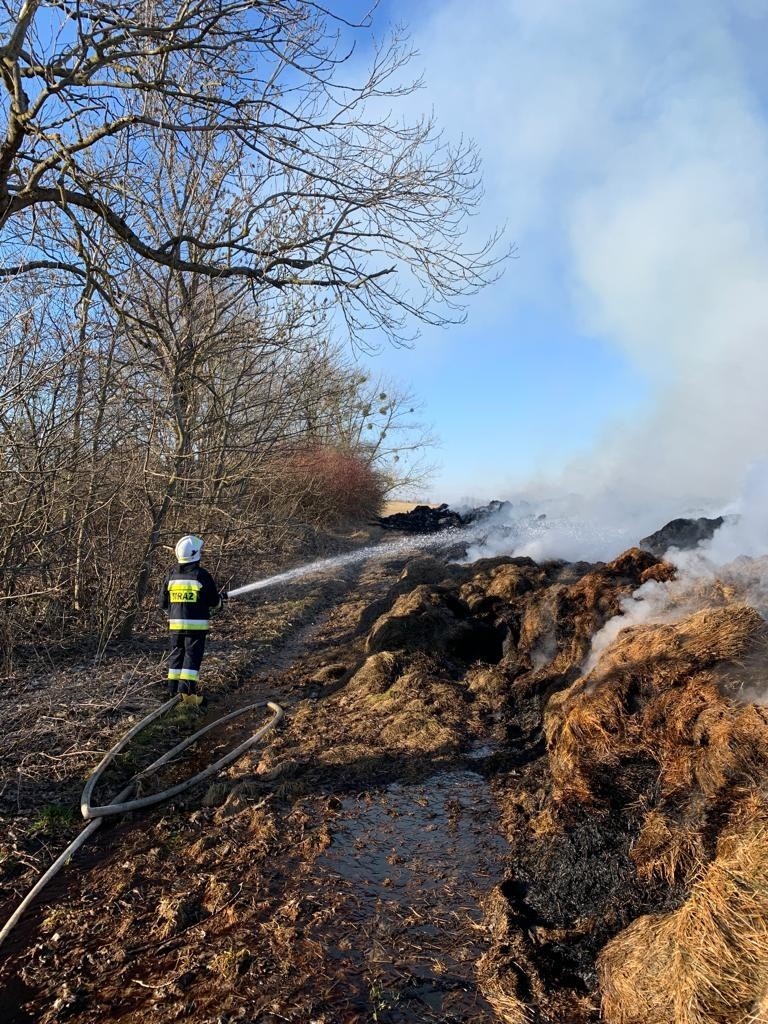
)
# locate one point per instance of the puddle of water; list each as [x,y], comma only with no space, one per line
[480,751]
[411,865]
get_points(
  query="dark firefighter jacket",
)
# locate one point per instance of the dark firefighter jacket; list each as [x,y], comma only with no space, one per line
[189,597]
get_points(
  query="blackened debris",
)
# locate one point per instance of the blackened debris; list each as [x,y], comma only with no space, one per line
[422,519]
[681,533]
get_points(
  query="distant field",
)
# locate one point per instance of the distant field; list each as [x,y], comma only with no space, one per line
[391,507]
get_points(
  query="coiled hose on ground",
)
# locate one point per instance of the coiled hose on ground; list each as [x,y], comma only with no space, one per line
[121,805]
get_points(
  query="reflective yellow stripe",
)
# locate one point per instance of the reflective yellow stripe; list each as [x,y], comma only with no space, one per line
[190,673]
[188,623]
[174,673]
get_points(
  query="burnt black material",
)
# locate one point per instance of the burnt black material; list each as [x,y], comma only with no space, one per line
[584,873]
[681,533]
[422,519]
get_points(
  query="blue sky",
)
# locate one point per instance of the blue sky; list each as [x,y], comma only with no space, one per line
[625,145]
[512,396]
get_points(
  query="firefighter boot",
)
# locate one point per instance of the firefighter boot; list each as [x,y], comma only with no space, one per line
[194,700]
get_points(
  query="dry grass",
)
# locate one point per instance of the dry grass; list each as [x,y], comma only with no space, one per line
[654,693]
[174,914]
[668,850]
[228,963]
[706,963]
[393,507]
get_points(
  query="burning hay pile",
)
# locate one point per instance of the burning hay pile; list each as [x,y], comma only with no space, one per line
[658,762]
[659,729]
[658,694]
[631,777]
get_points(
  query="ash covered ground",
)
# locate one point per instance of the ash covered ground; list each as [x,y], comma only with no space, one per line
[499,795]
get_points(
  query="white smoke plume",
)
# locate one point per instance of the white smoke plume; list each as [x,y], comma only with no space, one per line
[574,528]
[627,148]
[736,556]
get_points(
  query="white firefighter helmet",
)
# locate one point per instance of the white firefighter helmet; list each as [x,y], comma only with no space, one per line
[188,549]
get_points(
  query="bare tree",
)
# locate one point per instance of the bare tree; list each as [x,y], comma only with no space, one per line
[330,191]
[207,361]
[376,417]
[192,198]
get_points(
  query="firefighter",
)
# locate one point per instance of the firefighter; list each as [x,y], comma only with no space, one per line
[189,597]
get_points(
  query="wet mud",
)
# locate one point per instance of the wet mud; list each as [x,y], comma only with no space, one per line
[409,867]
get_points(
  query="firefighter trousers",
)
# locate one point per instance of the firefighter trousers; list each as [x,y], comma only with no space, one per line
[187,649]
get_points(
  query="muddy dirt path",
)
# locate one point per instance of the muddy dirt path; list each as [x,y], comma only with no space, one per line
[406,869]
[314,894]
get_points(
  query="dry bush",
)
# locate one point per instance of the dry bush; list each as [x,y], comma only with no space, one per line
[706,963]
[334,485]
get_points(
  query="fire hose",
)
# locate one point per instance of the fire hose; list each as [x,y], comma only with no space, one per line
[121,805]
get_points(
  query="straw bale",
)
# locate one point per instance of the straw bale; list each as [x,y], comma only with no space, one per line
[573,614]
[557,610]
[707,962]
[505,580]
